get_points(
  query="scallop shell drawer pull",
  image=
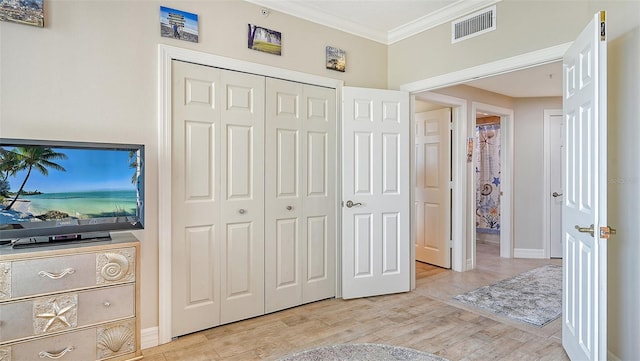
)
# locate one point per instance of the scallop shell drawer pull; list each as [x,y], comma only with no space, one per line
[55,276]
[58,355]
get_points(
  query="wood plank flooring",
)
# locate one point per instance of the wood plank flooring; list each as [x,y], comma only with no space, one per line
[426,319]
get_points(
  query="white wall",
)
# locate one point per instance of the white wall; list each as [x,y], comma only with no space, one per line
[521,26]
[91,75]
[624,194]
[528,192]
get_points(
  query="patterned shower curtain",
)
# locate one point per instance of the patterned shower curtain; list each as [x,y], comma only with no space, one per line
[487,148]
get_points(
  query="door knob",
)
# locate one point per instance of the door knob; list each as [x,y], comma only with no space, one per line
[556,194]
[289,208]
[241,211]
[351,204]
[585,229]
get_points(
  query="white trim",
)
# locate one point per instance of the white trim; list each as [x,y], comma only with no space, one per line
[518,62]
[458,172]
[166,54]
[412,190]
[530,59]
[429,21]
[546,180]
[149,337]
[506,180]
[528,253]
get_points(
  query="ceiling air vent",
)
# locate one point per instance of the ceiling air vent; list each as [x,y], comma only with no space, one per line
[474,24]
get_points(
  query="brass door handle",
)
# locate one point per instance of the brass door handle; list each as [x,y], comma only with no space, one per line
[585,229]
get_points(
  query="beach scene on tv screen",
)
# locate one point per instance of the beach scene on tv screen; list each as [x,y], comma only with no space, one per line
[66,185]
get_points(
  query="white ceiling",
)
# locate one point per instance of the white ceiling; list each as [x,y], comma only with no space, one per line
[388,21]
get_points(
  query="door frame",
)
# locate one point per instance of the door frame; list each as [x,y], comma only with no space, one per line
[546,173]
[506,181]
[458,171]
[166,54]
[460,262]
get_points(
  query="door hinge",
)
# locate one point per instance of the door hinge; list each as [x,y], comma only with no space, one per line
[451,185]
[450,243]
[450,126]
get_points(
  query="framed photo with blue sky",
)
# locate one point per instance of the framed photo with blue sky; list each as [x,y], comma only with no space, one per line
[23,12]
[178,24]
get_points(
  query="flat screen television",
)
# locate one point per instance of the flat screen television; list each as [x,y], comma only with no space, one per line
[54,191]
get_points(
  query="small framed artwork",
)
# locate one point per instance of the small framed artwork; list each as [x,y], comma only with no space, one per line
[23,12]
[336,59]
[265,40]
[178,24]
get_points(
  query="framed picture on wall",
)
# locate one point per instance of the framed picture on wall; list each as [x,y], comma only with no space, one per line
[336,59]
[178,24]
[23,12]
[265,40]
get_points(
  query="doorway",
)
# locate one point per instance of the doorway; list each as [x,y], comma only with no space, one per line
[462,237]
[487,181]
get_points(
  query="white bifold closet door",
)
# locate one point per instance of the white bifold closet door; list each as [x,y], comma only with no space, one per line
[253,213]
[300,186]
[217,197]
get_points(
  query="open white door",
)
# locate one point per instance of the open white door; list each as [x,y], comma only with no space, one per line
[375,186]
[433,187]
[584,212]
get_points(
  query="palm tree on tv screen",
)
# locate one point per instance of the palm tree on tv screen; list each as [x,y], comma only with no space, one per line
[38,158]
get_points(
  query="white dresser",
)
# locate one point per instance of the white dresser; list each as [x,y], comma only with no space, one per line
[71,302]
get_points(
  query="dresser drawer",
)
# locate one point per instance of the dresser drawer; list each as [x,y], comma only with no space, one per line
[57,274]
[38,276]
[76,346]
[107,341]
[67,311]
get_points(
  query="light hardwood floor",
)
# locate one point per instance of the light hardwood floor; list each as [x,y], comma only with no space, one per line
[426,319]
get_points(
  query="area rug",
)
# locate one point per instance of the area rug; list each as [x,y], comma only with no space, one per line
[362,352]
[534,296]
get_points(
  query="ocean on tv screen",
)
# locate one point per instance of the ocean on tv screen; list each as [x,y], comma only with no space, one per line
[56,184]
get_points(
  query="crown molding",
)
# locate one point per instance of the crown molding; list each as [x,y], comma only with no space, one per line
[448,13]
[439,17]
[308,13]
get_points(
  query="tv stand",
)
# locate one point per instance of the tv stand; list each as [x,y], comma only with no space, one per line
[65,237]
[62,239]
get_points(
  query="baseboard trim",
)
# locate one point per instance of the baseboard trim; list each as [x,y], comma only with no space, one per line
[528,253]
[612,357]
[149,337]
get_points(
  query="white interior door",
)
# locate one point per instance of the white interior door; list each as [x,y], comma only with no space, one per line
[300,197]
[195,199]
[375,186]
[432,189]
[556,164]
[584,326]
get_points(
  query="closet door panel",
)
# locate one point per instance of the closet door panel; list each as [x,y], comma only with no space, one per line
[283,227]
[242,203]
[319,200]
[195,199]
